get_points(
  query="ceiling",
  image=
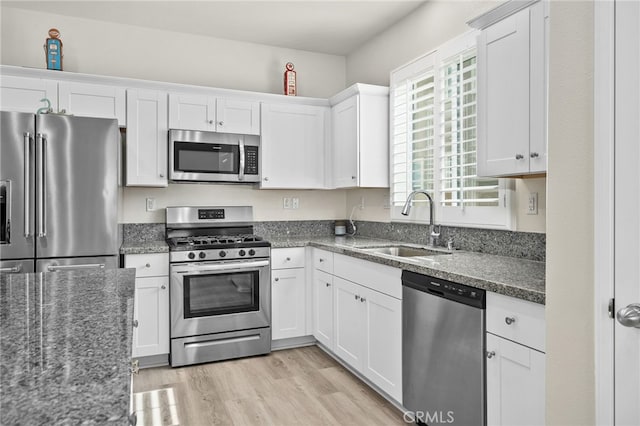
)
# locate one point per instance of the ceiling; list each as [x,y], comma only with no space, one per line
[333,27]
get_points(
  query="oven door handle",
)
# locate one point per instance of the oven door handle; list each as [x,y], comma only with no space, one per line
[195,268]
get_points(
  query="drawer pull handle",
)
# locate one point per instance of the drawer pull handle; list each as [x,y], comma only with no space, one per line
[321,260]
[328,285]
[164,287]
[509,320]
[288,259]
[276,279]
[491,354]
[357,297]
[148,265]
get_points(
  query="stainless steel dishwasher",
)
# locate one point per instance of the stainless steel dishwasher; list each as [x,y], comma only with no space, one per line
[443,351]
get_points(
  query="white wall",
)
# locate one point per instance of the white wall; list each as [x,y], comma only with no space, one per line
[570,279]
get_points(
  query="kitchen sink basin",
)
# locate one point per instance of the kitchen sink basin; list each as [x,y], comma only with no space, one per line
[405,251]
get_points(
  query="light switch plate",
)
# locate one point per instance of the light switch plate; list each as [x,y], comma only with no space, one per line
[295,203]
[532,206]
[151,204]
[286,203]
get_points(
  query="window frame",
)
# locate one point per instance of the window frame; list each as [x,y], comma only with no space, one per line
[493,217]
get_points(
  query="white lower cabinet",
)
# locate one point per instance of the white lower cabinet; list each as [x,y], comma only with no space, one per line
[151,317]
[288,293]
[323,308]
[349,322]
[151,306]
[515,383]
[288,303]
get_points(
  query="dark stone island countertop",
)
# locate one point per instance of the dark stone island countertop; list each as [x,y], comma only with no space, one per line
[523,279]
[65,347]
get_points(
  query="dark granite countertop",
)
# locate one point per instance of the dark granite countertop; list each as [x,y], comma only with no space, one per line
[144,247]
[523,279]
[65,344]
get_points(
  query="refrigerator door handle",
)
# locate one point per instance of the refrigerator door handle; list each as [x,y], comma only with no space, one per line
[54,268]
[27,184]
[42,227]
[12,269]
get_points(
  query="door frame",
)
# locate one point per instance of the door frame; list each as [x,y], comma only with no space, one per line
[604,168]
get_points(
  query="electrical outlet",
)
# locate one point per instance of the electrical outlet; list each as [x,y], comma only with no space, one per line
[286,203]
[295,203]
[532,207]
[151,204]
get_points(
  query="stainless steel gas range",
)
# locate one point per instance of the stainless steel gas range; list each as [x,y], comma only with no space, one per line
[220,292]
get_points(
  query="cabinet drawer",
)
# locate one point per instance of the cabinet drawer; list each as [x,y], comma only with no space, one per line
[285,258]
[148,265]
[323,260]
[517,320]
[382,278]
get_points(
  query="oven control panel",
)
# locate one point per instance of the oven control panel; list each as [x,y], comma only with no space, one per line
[226,254]
[210,214]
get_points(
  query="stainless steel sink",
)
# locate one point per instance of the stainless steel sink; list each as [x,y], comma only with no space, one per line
[405,251]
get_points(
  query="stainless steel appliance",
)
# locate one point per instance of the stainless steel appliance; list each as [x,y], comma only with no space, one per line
[443,351]
[58,188]
[213,157]
[220,289]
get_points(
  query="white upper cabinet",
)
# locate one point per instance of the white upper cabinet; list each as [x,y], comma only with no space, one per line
[360,137]
[24,94]
[512,90]
[146,151]
[292,151]
[92,100]
[208,113]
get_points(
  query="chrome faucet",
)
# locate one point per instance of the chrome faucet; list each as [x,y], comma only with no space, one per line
[434,231]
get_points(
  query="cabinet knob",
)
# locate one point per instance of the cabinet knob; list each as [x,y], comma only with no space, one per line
[220,123]
[357,297]
[135,323]
[534,155]
[164,287]
[362,299]
[353,178]
[328,284]
[148,265]
[266,179]
[519,156]
[491,354]
[161,175]
[210,121]
[288,259]
[321,260]
[509,320]
[276,279]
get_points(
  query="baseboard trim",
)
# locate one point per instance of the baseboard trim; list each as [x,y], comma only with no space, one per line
[293,342]
[153,361]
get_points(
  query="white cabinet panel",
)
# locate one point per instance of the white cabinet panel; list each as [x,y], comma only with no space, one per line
[237,116]
[192,112]
[323,314]
[148,265]
[288,303]
[349,327]
[151,311]
[345,124]
[515,384]
[382,278]
[146,152]
[93,100]
[292,152]
[282,258]
[517,320]
[23,94]
[323,260]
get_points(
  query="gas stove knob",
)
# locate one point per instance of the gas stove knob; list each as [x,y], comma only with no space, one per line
[222,253]
[242,252]
[252,252]
[192,255]
[202,255]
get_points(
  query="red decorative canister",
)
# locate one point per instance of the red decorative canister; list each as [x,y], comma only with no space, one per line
[289,80]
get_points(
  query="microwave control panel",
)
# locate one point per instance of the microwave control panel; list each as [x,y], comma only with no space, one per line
[251,160]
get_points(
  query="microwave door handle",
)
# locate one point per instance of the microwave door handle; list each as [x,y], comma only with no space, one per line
[241,171]
[27,184]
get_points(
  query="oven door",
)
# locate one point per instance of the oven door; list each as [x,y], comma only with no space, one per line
[216,297]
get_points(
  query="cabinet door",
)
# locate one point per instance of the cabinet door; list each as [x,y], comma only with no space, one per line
[151,311]
[383,344]
[287,303]
[146,138]
[349,327]
[323,308]
[236,116]
[503,96]
[293,146]
[346,134]
[93,100]
[515,384]
[539,48]
[24,94]
[192,112]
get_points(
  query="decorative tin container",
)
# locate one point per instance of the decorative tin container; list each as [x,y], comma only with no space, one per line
[289,80]
[53,50]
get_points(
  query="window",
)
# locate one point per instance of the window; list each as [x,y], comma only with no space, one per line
[433,118]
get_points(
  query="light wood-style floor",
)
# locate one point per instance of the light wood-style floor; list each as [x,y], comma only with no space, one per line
[302,386]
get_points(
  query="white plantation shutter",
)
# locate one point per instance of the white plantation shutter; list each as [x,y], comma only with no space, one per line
[459,185]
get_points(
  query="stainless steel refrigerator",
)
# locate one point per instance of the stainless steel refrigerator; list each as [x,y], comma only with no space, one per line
[58,192]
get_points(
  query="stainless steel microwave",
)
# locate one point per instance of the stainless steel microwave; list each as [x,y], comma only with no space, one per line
[213,157]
